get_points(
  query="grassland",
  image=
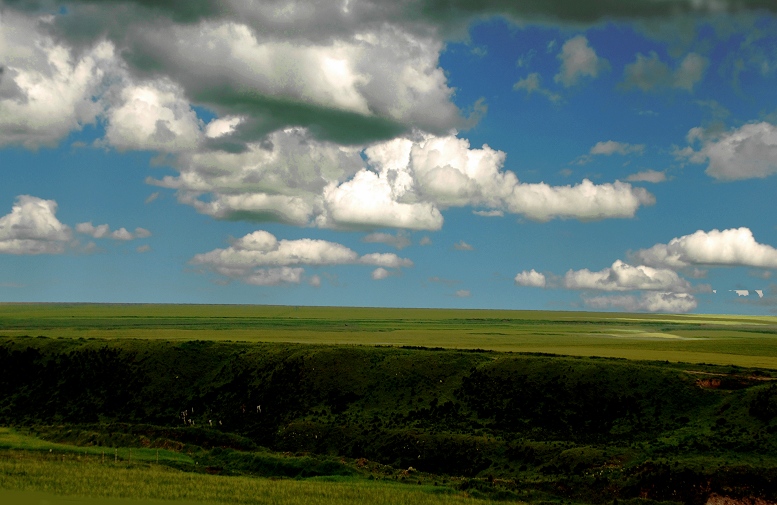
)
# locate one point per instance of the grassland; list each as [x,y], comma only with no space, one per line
[739,340]
[24,475]
[384,405]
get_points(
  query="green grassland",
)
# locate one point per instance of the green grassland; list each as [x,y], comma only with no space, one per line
[738,340]
[244,404]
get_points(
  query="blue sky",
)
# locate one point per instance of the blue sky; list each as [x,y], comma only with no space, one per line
[417,154]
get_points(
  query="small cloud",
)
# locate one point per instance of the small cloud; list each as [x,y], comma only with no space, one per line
[104,231]
[760,293]
[525,58]
[530,278]
[143,248]
[697,273]
[479,51]
[380,273]
[11,285]
[441,280]
[153,196]
[647,176]
[315,281]
[425,241]
[566,172]
[611,147]
[463,293]
[122,234]
[578,59]
[761,274]
[531,84]
[399,241]
[463,246]
[489,213]
[741,292]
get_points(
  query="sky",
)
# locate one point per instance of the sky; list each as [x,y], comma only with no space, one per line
[565,155]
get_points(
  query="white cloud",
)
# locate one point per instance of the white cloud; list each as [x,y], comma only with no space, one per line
[578,60]
[33,228]
[741,292]
[380,273]
[143,248]
[315,281]
[649,73]
[531,278]
[647,176]
[153,116]
[47,90]
[367,201]
[532,83]
[399,241]
[103,231]
[274,276]
[585,201]
[648,302]
[463,246]
[611,147]
[389,260]
[759,292]
[489,213]
[744,153]
[624,277]
[246,258]
[222,126]
[463,293]
[425,241]
[732,247]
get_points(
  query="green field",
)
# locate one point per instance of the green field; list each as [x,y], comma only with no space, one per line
[740,340]
[285,405]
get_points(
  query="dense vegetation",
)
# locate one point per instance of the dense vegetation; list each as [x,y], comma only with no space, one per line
[503,425]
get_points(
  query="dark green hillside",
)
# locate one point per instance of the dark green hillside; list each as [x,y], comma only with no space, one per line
[582,428]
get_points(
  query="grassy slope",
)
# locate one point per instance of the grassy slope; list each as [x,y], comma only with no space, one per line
[585,428]
[740,340]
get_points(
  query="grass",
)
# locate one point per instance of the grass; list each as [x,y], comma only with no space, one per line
[13,439]
[24,475]
[718,339]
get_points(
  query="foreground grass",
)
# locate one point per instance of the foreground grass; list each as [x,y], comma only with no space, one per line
[718,339]
[22,471]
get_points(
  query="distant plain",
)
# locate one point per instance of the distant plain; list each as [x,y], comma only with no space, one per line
[749,341]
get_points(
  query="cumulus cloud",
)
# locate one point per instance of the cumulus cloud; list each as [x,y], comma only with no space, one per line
[578,60]
[153,116]
[399,241]
[33,228]
[47,89]
[648,302]
[747,152]
[530,278]
[731,247]
[624,277]
[104,231]
[647,176]
[585,201]
[401,183]
[260,258]
[649,73]
[463,293]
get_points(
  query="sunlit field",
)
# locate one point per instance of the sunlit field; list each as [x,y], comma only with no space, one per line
[717,339]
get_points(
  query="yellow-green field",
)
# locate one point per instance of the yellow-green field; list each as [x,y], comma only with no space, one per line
[717,339]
